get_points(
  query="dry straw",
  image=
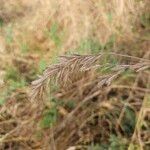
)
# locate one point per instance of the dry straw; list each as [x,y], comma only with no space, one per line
[80,78]
[73,68]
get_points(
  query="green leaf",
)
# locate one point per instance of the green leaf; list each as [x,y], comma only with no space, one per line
[110,44]
[2,101]
[117,143]
[12,74]
[24,47]
[50,117]
[1,22]
[89,45]
[42,65]
[145,20]
[129,121]
[9,34]
[55,34]
[96,147]
[110,17]
[71,104]
[17,84]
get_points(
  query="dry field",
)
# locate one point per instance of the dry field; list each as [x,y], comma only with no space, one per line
[75,75]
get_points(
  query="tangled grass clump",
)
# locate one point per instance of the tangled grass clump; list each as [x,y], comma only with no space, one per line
[97,100]
[85,77]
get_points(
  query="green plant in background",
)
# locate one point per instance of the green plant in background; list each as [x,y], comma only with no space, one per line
[55,34]
[12,74]
[13,81]
[3,95]
[89,46]
[17,84]
[110,17]
[71,104]
[2,100]
[93,46]
[110,43]
[11,78]
[129,121]
[128,73]
[97,147]
[24,47]
[145,20]
[117,143]
[49,117]
[42,65]
[1,22]
[12,86]
[9,34]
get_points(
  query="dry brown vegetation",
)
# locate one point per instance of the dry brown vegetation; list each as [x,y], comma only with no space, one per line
[96,99]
